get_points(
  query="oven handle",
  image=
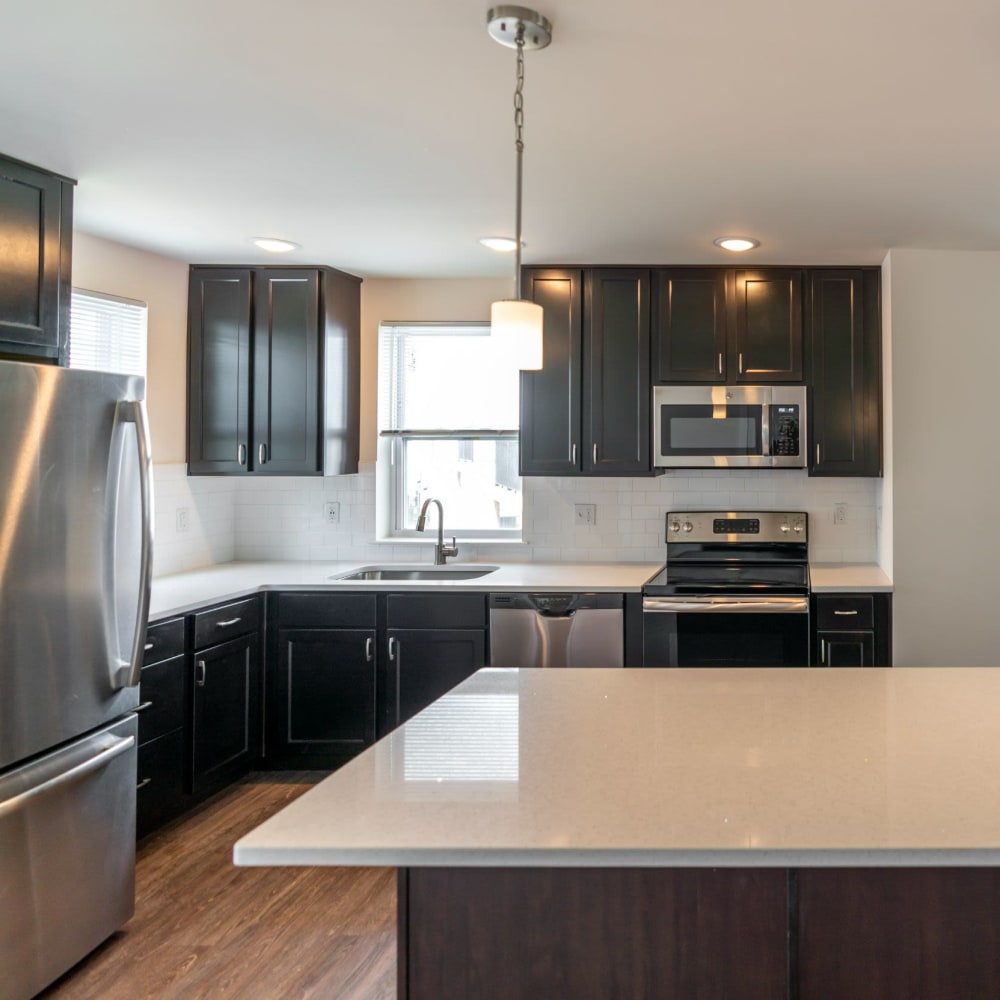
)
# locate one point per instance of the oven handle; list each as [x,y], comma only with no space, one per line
[726,605]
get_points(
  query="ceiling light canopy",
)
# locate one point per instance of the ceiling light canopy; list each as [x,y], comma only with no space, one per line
[736,243]
[274,245]
[518,319]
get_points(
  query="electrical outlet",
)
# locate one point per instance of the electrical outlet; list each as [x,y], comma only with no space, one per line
[331,512]
[840,513]
[585,513]
[183,519]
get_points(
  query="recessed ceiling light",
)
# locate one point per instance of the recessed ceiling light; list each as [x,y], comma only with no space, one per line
[274,245]
[736,243]
[504,244]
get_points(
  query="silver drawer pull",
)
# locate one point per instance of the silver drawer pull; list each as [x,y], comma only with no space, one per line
[148,646]
[226,624]
[200,674]
[845,612]
[143,783]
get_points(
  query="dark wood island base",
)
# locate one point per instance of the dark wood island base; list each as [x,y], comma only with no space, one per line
[699,933]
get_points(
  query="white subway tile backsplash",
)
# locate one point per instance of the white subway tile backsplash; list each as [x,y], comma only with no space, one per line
[283,518]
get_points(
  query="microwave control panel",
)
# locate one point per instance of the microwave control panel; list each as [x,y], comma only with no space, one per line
[784,423]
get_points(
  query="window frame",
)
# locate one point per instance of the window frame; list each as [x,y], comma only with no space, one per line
[116,300]
[394,441]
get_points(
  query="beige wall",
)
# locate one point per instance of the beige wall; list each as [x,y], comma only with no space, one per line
[394,300]
[945,467]
[161,282]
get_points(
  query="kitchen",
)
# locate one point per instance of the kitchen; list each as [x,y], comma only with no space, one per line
[921,522]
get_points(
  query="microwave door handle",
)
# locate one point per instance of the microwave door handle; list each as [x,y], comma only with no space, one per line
[765,429]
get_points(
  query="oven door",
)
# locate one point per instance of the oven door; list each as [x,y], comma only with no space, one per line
[725,631]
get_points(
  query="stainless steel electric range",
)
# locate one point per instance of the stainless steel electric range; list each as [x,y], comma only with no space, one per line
[734,592]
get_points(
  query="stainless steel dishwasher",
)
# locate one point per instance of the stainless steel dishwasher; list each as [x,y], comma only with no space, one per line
[556,630]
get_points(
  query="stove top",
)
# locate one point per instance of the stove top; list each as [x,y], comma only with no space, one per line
[734,552]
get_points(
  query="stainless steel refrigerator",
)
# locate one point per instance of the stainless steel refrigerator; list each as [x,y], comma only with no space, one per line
[75,567]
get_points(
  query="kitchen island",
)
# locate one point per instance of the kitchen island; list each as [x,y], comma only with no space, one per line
[672,833]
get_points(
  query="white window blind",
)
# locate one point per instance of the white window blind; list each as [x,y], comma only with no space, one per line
[107,333]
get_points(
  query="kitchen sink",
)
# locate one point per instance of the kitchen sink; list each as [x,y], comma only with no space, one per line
[439,573]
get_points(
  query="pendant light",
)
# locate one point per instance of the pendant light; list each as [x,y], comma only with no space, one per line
[517,319]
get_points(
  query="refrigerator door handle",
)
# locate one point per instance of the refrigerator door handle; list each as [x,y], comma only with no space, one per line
[134,411]
[17,802]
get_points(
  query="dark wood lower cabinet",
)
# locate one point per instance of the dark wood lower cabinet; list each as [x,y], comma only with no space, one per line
[592,934]
[699,934]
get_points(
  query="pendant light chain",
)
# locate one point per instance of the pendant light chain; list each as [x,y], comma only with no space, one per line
[519,146]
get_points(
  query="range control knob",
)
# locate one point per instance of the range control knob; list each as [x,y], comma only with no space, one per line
[688,526]
[798,528]
[784,529]
[675,526]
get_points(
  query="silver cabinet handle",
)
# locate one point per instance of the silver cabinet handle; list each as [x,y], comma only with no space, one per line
[572,454]
[817,454]
[720,362]
[741,363]
[822,652]
[148,647]
[228,622]
[201,673]
[241,454]
[370,648]
[261,453]
[18,802]
[392,647]
[143,783]
[845,612]
[595,453]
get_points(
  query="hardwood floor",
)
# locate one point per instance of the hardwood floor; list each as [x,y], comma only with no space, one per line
[205,928]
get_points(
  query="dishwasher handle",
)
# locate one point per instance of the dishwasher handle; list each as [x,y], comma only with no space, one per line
[555,604]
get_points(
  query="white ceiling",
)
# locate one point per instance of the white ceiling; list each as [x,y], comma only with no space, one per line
[378,134]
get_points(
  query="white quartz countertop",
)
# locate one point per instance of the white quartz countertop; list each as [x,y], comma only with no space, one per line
[172,595]
[840,578]
[612,768]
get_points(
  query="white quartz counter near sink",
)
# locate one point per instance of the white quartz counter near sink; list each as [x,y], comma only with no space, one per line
[173,595]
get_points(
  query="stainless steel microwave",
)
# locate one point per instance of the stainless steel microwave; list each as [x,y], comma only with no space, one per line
[729,426]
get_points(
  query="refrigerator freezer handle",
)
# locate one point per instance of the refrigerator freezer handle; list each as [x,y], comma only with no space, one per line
[134,411]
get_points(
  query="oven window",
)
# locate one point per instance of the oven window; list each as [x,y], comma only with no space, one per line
[720,640]
[710,430]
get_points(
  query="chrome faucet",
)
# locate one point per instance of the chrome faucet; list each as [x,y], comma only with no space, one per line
[441,551]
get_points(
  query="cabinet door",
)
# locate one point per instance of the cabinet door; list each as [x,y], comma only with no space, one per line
[767,342]
[425,663]
[36,232]
[550,399]
[616,348]
[160,782]
[323,698]
[846,649]
[844,350]
[286,372]
[690,331]
[219,371]
[226,712]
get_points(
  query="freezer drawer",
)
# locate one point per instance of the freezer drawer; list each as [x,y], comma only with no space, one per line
[67,856]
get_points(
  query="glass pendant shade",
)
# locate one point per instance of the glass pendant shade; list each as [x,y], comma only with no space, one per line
[517,321]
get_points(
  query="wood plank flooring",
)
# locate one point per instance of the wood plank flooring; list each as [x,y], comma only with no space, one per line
[205,928]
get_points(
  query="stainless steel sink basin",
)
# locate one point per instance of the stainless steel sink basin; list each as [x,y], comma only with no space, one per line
[416,573]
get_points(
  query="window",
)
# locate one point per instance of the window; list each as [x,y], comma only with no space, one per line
[106,333]
[448,406]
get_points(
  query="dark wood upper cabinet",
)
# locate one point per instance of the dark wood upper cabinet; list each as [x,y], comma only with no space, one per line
[274,371]
[36,248]
[766,345]
[587,410]
[691,332]
[616,404]
[551,407]
[844,357]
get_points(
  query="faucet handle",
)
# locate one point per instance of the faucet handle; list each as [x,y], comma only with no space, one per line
[449,551]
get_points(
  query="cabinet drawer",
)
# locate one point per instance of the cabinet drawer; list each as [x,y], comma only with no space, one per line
[436,611]
[326,611]
[161,687]
[225,622]
[845,611]
[163,640]
[160,786]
